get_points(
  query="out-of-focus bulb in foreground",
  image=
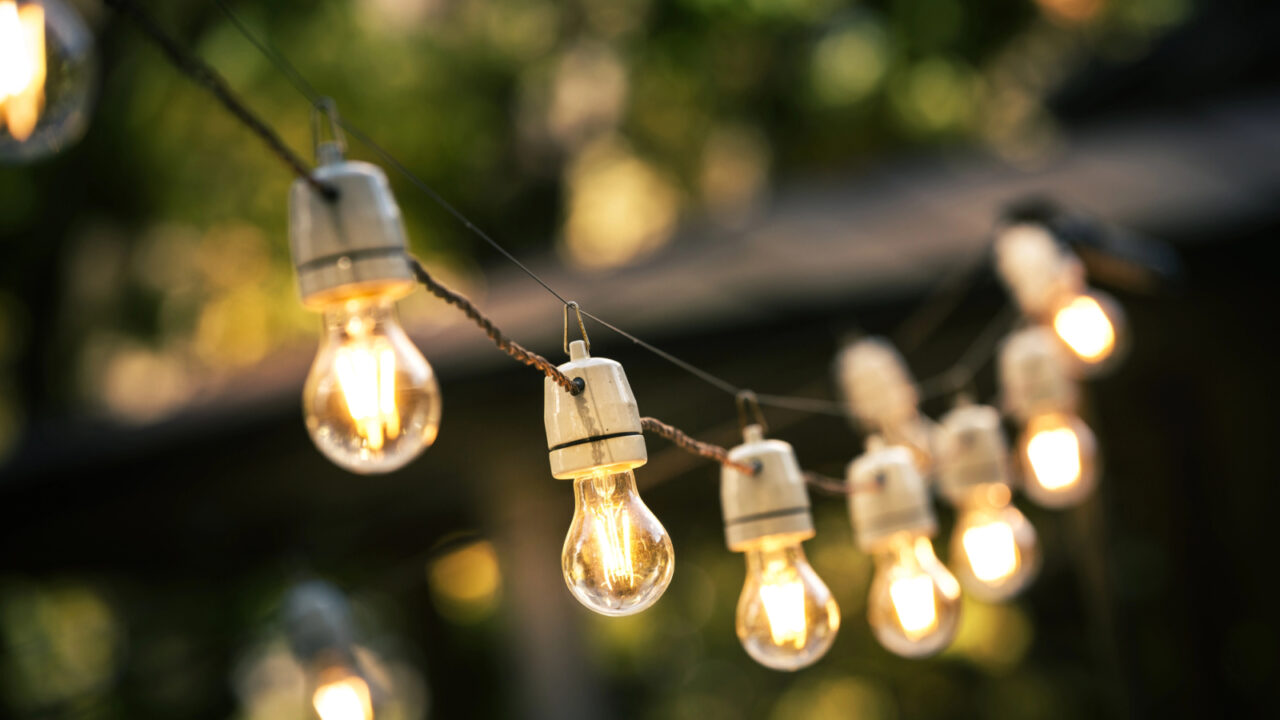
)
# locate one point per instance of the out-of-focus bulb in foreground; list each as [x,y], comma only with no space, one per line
[46,74]
[371,400]
[617,557]
[994,548]
[787,618]
[343,697]
[1089,324]
[914,603]
[1058,453]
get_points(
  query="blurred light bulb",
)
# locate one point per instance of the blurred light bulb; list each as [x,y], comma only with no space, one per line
[786,618]
[994,546]
[343,698]
[1058,459]
[371,400]
[617,557]
[45,78]
[914,604]
[1089,324]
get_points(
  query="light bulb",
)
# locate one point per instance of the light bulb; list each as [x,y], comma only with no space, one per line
[371,400]
[1057,453]
[786,618]
[46,75]
[1090,325]
[993,547]
[343,696]
[617,557]
[914,603]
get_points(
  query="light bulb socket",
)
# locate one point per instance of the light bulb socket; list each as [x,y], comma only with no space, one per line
[889,496]
[1035,374]
[598,428]
[351,245]
[318,622]
[772,502]
[1037,269]
[878,387]
[971,452]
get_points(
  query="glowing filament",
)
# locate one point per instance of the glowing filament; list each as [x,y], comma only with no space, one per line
[613,537]
[1055,458]
[1084,326]
[345,699]
[367,375]
[991,550]
[914,605]
[783,597]
[22,67]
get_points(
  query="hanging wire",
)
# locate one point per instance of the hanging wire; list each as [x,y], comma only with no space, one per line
[208,78]
[972,360]
[697,447]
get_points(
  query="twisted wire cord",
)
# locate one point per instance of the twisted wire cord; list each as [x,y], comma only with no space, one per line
[504,343]
[683,441]
[208,78]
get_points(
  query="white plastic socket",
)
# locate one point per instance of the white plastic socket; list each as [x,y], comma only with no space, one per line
[1038,271]
[971,451]
[597,429]
[889,496]
[353,245]
[1035,374]
[877,385]
[772,502]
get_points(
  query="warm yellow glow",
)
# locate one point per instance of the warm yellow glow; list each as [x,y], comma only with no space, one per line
[22,67]
[1055,458]
[345,699]
[991,550]
[782,595]
[613,538]
[914,605]
[1084,326]
[366,369]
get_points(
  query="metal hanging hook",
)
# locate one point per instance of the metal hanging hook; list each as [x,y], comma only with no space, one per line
[747,401]
[329,148]
[582,327]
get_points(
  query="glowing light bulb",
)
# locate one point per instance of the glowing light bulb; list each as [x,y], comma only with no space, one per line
[994,547]
[914,604]
[1057,455]
[1089,324]
[617,557]
[787,618]
[343,698]
[371,400]
[45,78]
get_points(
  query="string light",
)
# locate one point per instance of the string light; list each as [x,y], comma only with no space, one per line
[1057,450]
[914,601]
[994,548]
[371,399]
[1048,283]
[881,394]
[786,618]
[46,77]
[617,557]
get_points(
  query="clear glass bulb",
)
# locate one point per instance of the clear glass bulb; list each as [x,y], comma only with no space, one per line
[1090,325]
[914,603]
[371,400]
[993,547]
[617,557]
[342,695]
[786,618]
[1057,454]
[46,78]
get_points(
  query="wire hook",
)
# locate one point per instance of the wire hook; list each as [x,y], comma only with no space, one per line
[331,148]
[746,400]
[581,326]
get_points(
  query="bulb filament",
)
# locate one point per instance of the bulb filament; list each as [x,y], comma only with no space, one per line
[1084,326]
[366,369]
[345,699]
[1055,458]
[991,550]
[612,525]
